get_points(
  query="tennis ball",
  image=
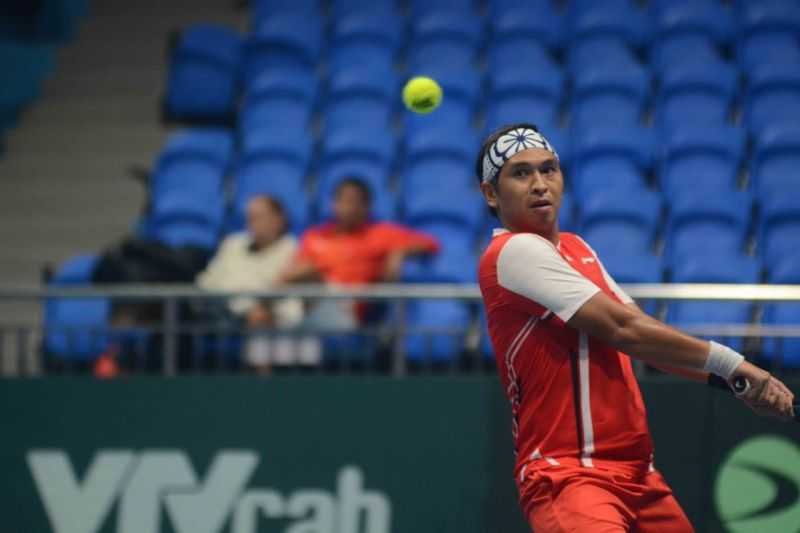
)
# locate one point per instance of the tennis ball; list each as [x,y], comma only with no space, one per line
[422,95]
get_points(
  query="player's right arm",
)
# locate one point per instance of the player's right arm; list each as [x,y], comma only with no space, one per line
[532,268]
[650,340]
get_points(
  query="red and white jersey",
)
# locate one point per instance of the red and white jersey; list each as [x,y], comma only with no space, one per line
[574,399]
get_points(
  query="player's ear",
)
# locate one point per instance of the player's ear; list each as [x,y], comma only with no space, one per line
[489,194]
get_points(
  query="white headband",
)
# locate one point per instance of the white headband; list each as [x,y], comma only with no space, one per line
[510,144]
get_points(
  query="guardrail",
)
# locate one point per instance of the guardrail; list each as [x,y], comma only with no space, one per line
[172,327]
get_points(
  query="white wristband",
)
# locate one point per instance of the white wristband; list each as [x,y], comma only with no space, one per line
[722,360]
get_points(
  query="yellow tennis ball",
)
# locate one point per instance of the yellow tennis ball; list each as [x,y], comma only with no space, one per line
[422,95]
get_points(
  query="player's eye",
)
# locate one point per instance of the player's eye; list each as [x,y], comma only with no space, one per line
[521,172]
[547,169]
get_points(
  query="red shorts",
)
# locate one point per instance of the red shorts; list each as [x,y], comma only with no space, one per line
[564,499]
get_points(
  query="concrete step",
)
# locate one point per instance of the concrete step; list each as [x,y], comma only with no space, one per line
[72,139]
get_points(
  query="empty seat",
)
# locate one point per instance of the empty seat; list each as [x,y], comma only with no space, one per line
[204,74]
[606,34]
[437,202]
[420,8]
[534,93]
[769,32]
[76,329]
[783,351]
[632,267]
[360,95]
[610,156]
[696,93]
[773,95]
[713,268]
[452,236]
[30,64]
[295,147]
[447,266]
[621,221]
[436,144]
[689,32]
[371,145]
[512,21]
[779,228]
[445,38]
[263,9]
[567,215]
[439,328]
[609,94]
[283,41]
[777,159]
[603,52]
[513,52]
[368,39]
[280,100]
[707,224]
[701,160]
[344,8]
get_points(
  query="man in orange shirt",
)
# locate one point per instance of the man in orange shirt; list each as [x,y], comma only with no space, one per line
[353,250]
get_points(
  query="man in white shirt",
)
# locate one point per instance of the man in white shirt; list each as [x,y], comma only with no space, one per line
[254,260]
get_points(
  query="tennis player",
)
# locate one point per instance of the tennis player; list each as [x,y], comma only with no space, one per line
[563,331]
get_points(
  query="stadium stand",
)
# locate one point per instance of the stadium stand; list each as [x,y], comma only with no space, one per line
[676,123]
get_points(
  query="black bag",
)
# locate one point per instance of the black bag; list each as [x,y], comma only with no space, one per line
[140,261]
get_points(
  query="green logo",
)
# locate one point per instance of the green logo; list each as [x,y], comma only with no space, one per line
[758,486]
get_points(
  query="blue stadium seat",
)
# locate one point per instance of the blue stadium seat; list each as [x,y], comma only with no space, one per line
[283,41]
[433,315]
[421,8]
[600,52]
[511,21]
[76,328]
[608,155]
[784,352]
[213,146]
[360,95]
[452,236]
[204,74]
[773,95]
[769,32]
[707,224]
[618,221]
[434,157]
[445,38]
[779,228]
[375,146]
[632,267]
[776,159]
[281,100]
[508,54]
[535,92]
[690,32]
[567,215]
[698,93]
[448,266]
[30,64]
[701,158]
[295,147]
[713,268]
[369,39]
[345,8]
[464,207]
[263,9]
[621,19]
[610,93]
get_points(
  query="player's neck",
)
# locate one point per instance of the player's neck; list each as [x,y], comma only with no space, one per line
[551,235]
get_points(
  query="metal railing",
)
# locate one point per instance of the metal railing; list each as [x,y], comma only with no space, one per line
[23,349]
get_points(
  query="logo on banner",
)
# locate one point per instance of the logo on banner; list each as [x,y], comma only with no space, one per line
[758,486]
[156,485]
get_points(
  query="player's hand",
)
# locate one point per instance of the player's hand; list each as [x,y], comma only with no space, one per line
[767,395]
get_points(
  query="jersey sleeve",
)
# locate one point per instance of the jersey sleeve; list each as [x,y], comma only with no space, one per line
[532,268]
[616,289]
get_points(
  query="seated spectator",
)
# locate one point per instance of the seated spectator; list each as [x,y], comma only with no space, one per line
[352,250]
[250,261]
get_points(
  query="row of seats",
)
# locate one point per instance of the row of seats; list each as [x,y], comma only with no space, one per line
[78,329]
[222,61]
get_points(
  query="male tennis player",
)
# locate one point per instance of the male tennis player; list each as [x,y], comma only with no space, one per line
[563,332]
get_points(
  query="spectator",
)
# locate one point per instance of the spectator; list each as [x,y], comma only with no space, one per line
[352,250]
[254,260]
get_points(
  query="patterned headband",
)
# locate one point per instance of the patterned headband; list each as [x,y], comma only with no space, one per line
[510,144]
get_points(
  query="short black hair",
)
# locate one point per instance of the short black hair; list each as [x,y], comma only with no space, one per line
[357,183]
[488,142]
